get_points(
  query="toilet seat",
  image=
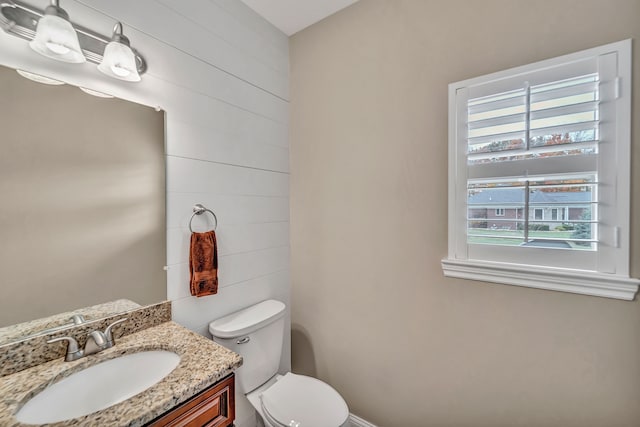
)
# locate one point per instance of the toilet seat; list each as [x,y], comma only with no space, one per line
[304,400]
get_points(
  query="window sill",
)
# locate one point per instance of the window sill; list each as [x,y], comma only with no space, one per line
[555,279]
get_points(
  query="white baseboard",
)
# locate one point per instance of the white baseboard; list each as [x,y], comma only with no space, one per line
[359,422]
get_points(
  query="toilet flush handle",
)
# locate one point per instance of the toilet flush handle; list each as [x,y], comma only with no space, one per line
[243,340]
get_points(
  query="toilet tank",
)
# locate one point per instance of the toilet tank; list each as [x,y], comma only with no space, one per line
[256,333]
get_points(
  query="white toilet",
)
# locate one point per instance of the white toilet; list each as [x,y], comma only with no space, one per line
[289,400]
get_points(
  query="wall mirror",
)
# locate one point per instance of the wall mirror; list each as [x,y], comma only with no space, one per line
[82,204]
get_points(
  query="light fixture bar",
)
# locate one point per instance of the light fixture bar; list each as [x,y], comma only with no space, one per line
[20,20]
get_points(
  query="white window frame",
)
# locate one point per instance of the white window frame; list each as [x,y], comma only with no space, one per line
[499,212]
[614,237]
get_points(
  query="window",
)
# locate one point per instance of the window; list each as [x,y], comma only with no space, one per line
[549,143]
[559,214]
[538,215]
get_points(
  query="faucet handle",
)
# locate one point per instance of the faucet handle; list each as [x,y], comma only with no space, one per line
[109,335]
[78,319]
[73,352]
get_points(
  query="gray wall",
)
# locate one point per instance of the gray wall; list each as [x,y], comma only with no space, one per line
[372,313]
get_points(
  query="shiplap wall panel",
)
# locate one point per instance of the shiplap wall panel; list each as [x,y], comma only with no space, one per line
[274,285]
[187,175]
[181,33]
[223,83]
[198,76]
[232,121]
[214,145]
[233,239]
[232,269]
[213,18]
[230,209]
[202,110]
[255,24]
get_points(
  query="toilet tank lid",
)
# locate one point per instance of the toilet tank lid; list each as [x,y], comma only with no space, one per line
[247,320]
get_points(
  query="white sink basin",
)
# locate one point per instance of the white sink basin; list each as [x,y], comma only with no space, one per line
[98,387]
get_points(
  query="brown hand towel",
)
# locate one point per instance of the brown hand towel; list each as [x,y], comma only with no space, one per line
[203,264]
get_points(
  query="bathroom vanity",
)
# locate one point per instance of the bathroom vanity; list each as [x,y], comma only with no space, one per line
[214,407]
[199,391]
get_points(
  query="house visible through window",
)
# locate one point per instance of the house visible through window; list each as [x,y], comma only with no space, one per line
[539,172]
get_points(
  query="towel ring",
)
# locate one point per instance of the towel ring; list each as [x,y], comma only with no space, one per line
[199,210]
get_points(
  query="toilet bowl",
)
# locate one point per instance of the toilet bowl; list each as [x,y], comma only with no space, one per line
[289,400]
[296,400]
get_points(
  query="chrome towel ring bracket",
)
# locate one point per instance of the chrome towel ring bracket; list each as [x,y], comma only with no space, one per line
[199,210]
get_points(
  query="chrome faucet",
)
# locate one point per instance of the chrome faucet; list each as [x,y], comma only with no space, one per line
[96,342]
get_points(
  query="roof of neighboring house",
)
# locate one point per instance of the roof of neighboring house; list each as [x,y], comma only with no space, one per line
[494,196]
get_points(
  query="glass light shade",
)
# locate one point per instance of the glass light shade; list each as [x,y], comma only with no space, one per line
[56,39]
[95,93]
[119,62]
[38,78]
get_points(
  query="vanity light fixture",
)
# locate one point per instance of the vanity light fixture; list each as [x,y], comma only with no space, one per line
[51,34]
[55,36]
[119,61]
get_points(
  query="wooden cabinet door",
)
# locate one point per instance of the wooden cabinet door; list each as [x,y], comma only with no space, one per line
[213,407]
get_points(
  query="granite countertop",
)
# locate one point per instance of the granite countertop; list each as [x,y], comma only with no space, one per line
[202,363]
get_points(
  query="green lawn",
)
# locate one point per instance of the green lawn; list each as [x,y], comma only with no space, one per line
[501,236]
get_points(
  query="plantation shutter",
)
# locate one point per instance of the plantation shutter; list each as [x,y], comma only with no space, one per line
[539,175]
[535,142]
